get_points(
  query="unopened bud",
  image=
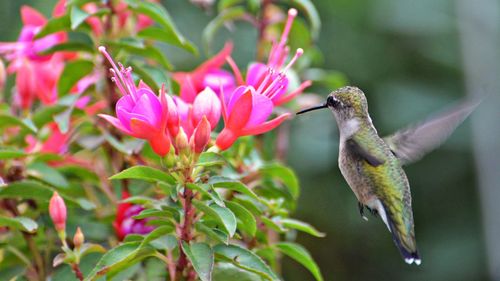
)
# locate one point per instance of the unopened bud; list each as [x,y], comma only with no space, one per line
[201,136]
[79,238]
[57,211]
[181,141]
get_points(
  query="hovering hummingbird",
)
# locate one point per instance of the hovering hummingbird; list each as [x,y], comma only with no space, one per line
[372,166]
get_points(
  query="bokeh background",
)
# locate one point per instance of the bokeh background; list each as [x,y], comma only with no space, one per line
[411,58]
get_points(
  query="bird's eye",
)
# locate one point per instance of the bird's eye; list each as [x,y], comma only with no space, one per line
[331,101]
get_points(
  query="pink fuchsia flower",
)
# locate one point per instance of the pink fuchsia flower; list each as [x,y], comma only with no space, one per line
[124,223]
[37,74]
[57,212]
[260,74]
[56,143]
[140,112]
[245,113]
[209,74]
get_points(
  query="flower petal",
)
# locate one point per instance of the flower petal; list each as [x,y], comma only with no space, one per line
[265,127]
[142,130]
[207,104]
[31,16]
[116,123]
[262,108]
[242,110]
[256,72]
[284,99]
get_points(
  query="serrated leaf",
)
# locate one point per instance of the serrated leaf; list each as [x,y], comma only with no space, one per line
[300,225]
[20,223]
[301,255]
[72,73]
[144,173]
[201,257]
[246,220]
[11,153]
[244,259]
[54,25]
[284,174]
[222,182]
[9,121]
[77,16]
[223,216]
[213,26]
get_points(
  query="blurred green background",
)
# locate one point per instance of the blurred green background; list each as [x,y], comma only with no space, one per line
[411,58]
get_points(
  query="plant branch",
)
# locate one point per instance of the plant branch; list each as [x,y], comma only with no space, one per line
[77,271]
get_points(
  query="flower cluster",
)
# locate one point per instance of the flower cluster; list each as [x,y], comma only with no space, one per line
[206,94]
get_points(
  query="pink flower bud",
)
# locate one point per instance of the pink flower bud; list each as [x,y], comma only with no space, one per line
[201,136]
[57,211]
[79,238]
[207,104]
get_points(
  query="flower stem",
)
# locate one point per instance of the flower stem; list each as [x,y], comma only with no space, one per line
[77,271]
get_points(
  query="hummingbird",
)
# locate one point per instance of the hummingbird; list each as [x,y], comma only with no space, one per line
[372,166]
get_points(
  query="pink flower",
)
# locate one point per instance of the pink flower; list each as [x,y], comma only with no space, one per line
[57,212]
[209,74]
[140,112]
[37,75]
[124,223]
[260,75]
[246,112]
[201,136]
[56,143]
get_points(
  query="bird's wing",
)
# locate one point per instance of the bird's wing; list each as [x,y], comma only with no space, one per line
[412,143]
[365,151]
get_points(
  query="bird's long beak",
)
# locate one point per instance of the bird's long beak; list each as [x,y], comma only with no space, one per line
[313,108]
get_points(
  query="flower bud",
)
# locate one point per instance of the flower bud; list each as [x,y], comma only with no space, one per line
[201,136]
[181,141]
[207,104]
[57,211]
[79,238]
[3,75]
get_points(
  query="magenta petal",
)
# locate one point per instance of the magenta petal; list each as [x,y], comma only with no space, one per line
[148,106]
[255,74]
[125,117]
[262,108]
[115,122]
[235,95]
[216,79]
[182,108]
[207,104]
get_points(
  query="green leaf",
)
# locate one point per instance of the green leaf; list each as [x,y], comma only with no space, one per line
[205,190]
[246,220]
[244,259]
[302,226]
[222,182]
[70,47]
[72,73]
[208,159]
[47,174]
[21,223]
[11,153]
[312,15]
[160,15]
[46,114]
[119,258]
[213,233]
[54,25]
[285,174]
[301,255]
[150,213]
[213,26]
[144,75]
[167,36]
[224,271]
[77,16]
[202,259]
[34,190]
[224,4]
[150,52]
[144,173]
[9,121]
[223,216]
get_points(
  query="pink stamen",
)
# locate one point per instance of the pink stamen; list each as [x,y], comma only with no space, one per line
[121,81]
[268,75]
[275,92]
[277,50]
[273,84]
[297,55]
